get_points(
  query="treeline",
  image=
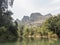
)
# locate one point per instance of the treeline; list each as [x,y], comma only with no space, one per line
[49,29]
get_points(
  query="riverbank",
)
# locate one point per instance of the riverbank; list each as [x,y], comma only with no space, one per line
[39,36]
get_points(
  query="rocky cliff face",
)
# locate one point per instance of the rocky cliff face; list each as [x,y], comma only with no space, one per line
[25,19]
[35,16]
[36,19]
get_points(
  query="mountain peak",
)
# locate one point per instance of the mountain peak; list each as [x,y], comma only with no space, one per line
[36,14]
[25,18]
[49,14]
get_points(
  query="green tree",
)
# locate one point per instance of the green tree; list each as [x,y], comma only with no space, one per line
[7,28]
[53,24]
[5,14]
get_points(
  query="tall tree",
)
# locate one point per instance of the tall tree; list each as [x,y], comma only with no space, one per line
[5,14]
[8,29]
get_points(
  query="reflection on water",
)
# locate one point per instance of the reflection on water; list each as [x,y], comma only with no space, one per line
[33,41]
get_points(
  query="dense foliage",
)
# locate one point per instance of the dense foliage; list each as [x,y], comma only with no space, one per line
[50,28]
[8,29]
[53,24]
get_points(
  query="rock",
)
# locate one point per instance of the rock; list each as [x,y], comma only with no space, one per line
[36,19]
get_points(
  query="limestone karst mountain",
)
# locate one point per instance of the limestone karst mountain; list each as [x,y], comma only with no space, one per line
[25,19]
[35,19]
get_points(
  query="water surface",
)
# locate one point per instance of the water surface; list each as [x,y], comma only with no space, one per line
[32,41]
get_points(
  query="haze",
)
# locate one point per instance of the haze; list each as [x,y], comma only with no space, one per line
[26,7]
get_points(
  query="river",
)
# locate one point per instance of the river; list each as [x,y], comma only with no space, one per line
[33,41]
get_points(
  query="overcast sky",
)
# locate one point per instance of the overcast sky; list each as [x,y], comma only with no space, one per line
[26,7]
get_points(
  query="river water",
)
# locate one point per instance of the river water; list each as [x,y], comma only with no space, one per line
[32,41]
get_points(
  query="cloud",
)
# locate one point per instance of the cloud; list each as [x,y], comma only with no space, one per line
[26,7]
[55,1]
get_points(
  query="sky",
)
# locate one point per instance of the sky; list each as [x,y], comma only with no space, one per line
[26,7]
